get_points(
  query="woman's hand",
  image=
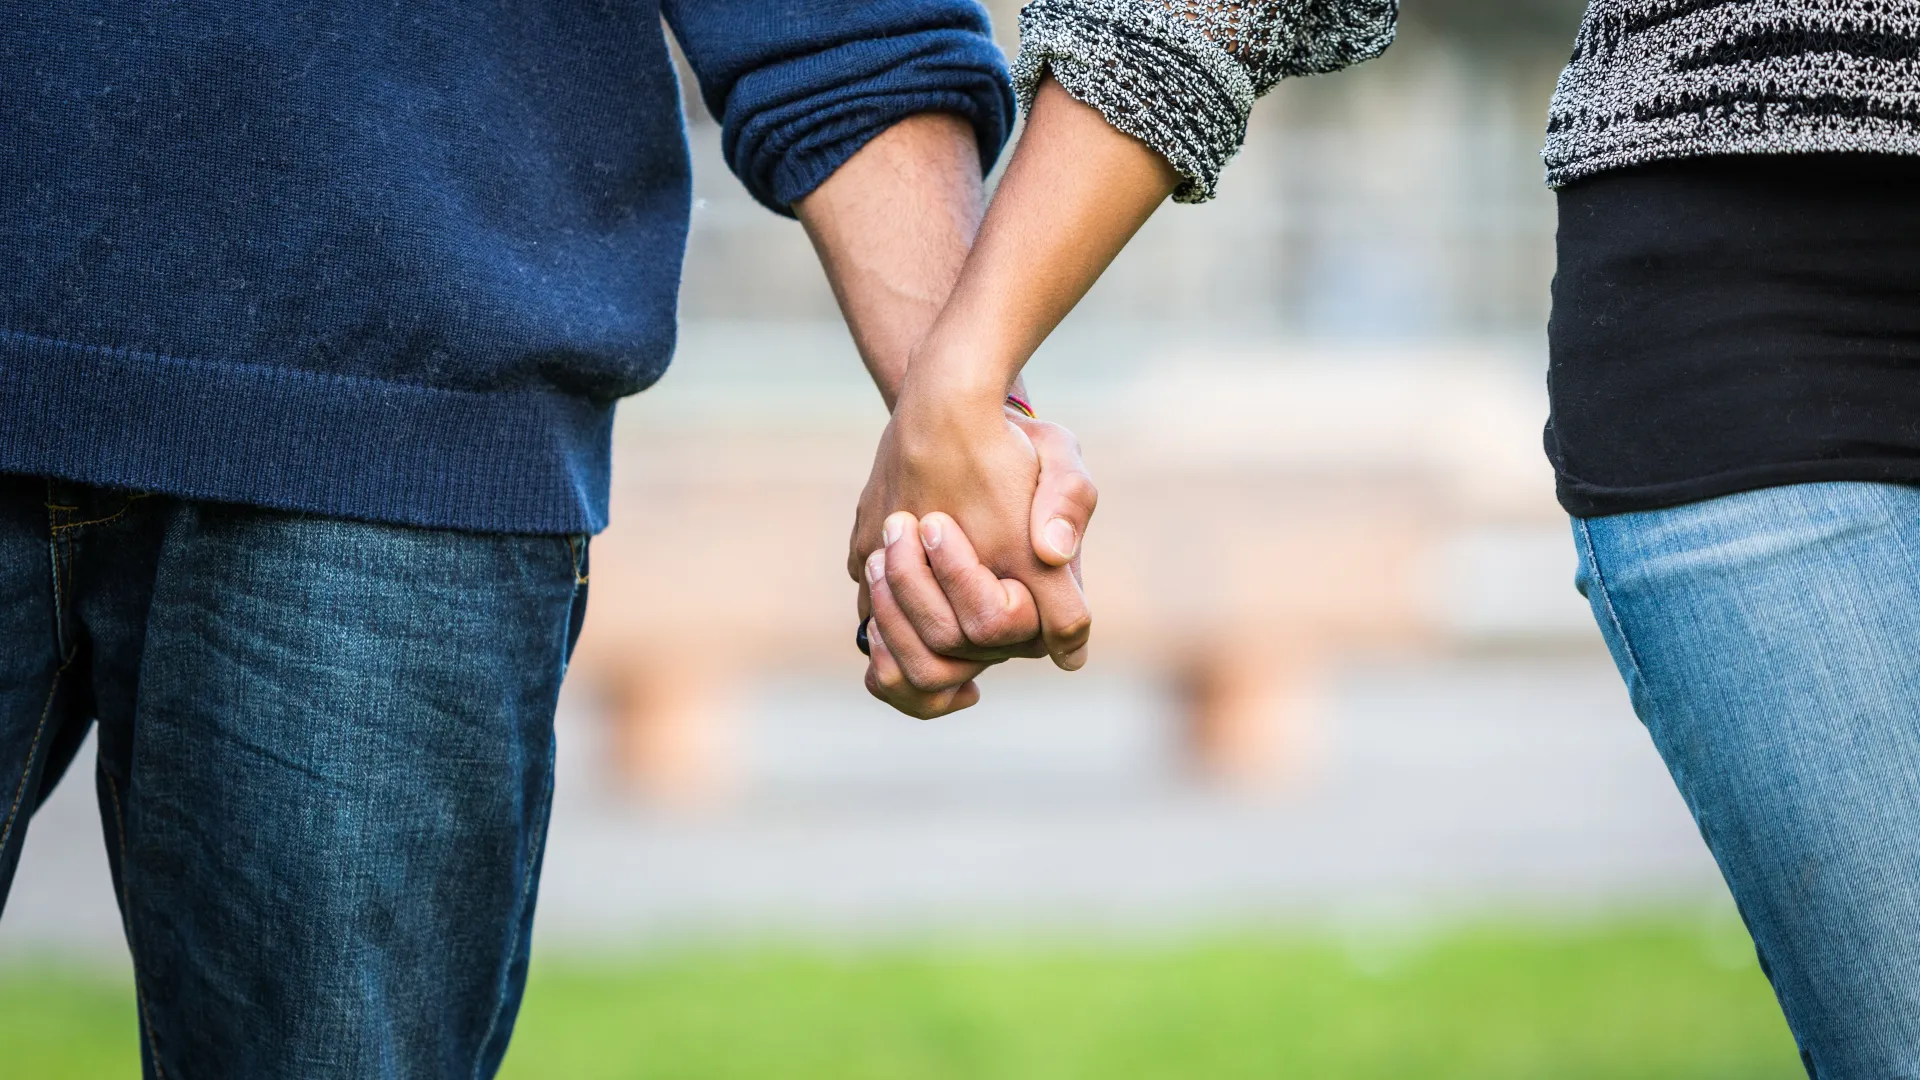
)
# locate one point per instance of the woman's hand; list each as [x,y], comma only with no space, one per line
[936,617]
[1014,490]
[1074,192]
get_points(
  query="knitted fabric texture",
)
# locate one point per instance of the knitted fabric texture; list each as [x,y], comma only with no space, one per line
[1654,79]
[1181,75]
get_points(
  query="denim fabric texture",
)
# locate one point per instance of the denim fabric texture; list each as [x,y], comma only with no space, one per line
[1770,641]
[325,767]
[397,261]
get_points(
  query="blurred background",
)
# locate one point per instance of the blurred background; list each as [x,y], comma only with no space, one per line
[1349,788]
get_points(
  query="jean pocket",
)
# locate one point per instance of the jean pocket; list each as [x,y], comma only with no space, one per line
[1591,580]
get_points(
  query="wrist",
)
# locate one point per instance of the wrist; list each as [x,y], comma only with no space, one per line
[934,421]
[967,375]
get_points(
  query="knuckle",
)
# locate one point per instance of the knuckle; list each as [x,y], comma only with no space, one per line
[946,637]
[897,577]
[891,682]
[1068,442]
[980,628]
[927,677]
[1079,488]
[1076,628]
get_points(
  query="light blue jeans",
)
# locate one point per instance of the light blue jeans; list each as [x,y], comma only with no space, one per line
[1771,644]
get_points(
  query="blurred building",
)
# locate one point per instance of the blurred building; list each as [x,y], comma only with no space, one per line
[1342,354]
[1401,199]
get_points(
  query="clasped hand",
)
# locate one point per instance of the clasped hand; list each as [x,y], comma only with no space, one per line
[966,547]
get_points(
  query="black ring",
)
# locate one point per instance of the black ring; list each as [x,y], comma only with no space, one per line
[860,639]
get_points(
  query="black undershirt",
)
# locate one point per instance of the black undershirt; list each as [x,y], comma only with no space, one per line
[1728,323]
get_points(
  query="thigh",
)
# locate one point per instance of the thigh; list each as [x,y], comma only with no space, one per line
[1771,643]
[34,685]
[332,794]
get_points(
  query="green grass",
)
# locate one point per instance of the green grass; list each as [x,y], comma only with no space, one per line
[1669,997]
[65,1025]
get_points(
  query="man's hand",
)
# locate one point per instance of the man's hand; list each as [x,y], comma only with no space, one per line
[934,605]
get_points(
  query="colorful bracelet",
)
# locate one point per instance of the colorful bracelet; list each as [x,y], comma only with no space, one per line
[1020,403]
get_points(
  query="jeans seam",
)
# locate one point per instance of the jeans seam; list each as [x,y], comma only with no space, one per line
[126,909]
[116,515]
[1606,598]
[64,587]
[513,943]
[33,750]
[60,551]
[576,546]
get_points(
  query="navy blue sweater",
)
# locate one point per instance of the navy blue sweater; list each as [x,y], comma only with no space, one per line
[396,259]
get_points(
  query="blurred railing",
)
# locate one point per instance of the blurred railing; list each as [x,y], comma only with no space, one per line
[1283,509]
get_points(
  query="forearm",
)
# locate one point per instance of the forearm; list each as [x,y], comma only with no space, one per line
[1075,192]
[892,228]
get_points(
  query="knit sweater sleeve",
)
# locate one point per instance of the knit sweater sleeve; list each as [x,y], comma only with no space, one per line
[1181,75]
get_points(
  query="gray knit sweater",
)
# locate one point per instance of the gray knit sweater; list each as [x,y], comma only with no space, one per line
[1649,79]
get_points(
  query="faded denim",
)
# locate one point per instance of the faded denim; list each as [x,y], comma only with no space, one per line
[325,768]
[1770,641]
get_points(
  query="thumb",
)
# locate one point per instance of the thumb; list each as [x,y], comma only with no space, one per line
[1064,500]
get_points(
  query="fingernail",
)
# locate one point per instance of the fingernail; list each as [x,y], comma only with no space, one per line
[1013,598]
[1060,538]
[930,534]
[876,567]
[1075,660]
[891,532]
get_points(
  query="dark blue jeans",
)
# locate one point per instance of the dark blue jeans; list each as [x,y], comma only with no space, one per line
[326,762]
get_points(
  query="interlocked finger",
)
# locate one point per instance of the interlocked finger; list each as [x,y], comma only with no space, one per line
[993,613]
[920,668]
[887,681]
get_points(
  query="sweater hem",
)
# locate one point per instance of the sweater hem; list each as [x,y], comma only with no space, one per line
[1893,139]
[1585,500]
[521,461]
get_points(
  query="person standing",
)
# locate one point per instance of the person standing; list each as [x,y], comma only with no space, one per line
[1735,394]
[313,318]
